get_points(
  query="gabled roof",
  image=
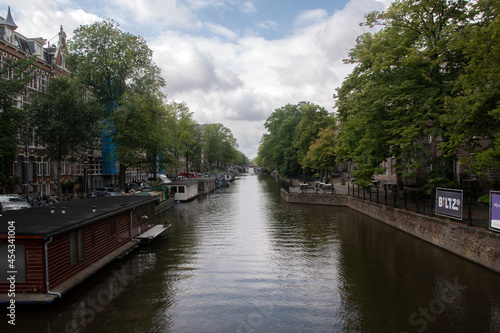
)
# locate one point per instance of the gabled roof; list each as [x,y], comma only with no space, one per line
[9,21]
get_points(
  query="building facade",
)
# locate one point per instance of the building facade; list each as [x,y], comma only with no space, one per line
[37,175]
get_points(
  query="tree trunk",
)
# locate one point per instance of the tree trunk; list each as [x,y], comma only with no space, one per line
[121,179]
[59,181]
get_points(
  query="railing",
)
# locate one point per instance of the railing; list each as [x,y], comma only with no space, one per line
[285,185]
[474,213]
[318,188]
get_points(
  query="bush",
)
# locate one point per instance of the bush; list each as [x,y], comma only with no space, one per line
[484,198]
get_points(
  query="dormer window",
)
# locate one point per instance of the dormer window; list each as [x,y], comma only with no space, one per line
[23,45]
[32,47]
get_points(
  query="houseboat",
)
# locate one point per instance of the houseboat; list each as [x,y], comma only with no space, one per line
[206,185]
[57,247]
[164,200]
[184,190]
[224,179]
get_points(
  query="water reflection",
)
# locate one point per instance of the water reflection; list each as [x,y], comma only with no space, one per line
[241,260]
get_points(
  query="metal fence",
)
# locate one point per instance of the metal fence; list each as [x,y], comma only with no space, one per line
[318,188]
[415,200]
[285,185]
[474,213]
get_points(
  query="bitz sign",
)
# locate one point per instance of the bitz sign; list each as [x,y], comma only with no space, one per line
[449,202]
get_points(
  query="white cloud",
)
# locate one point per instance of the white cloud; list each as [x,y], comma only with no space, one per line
[235,80]
[240,83]
[153,13]
[267,24]
[40,19]
[221,31]
[311,16]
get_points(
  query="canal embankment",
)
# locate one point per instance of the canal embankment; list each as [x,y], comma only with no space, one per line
[475,244]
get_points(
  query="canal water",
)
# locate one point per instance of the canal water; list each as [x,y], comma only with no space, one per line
[242,260]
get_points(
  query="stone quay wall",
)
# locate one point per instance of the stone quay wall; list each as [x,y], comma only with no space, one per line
[477,245]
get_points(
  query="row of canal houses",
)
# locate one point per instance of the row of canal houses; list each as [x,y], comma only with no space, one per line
[36,173]
[47,251]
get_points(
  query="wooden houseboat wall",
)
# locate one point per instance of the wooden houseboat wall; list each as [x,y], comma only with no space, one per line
[30,277]
[73,249]
[205,185]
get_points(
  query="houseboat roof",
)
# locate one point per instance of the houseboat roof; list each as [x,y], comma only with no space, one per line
[202,179]
[41,222]
[187,182]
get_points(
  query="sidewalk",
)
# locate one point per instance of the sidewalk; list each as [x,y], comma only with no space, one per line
[339,189]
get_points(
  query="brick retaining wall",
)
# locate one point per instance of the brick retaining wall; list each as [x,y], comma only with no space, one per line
[477,245]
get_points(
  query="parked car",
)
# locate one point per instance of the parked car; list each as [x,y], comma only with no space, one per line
[107,191]
[13,202]
[132,187]
[163,179]
[189,174]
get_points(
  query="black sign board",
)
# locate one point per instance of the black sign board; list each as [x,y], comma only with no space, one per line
[449,203]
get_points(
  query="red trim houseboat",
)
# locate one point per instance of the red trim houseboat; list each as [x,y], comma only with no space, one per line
[57,247]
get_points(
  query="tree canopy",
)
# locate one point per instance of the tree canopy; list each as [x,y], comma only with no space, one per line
[474,111]
[13,77]
[64,119]
[111,62]
[117,67]
[292,129]
[220,145]
[396,95]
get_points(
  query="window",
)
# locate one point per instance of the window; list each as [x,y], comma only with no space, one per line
[76,246]
[427,139]
[182,189]
[112,228]
[39,171]
[81,245]
[31,47]
[93,237]
[73,258]
[427,162]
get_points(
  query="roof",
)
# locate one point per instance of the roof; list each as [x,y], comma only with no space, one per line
[9,21]
[41,222]
[186,182]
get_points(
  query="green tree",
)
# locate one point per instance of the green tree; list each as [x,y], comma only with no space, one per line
[111,63]
[314,118]
[396,94]
[219,145]
[138,130]
[13,77]
[241,159]
[187,136]
[321,153]
[474,116]
[276,149]
[64,118]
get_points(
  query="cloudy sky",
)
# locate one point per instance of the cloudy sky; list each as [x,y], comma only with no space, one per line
[232,61]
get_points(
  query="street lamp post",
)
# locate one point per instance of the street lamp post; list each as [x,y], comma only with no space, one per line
[85,167]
